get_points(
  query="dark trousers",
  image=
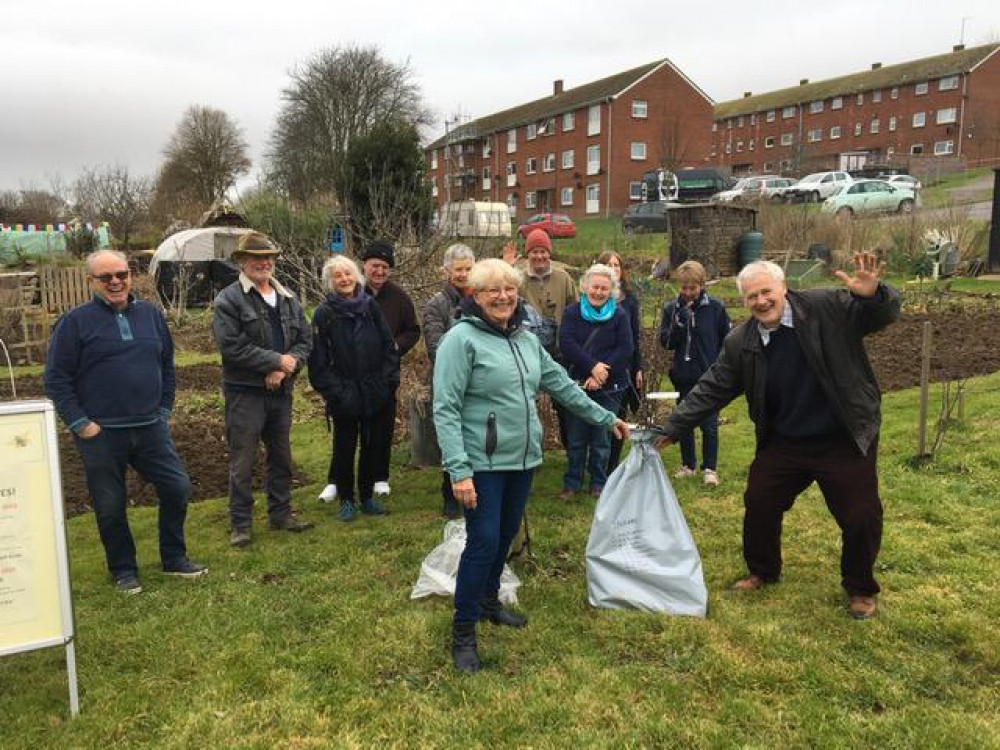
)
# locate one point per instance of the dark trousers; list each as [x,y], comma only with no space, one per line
[376,433]
[490,527]
[150,451]
[254,416]
[348,432]
[709,438]
[589,445]
[848,480]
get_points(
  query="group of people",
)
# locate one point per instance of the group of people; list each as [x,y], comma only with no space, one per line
[499,333]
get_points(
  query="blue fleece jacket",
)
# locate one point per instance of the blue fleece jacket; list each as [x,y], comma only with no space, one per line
[110,367]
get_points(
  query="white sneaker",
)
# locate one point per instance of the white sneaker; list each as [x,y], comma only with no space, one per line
[329,493]
[381,488]
[711,479]
[684,472]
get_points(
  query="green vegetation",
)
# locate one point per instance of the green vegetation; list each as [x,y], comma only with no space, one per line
[310,641]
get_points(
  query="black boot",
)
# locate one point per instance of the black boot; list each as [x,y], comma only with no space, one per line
[463,647]
[492,610]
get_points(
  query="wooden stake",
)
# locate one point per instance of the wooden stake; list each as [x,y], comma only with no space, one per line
[925,376]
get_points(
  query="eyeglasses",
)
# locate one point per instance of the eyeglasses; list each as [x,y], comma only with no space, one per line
[494,292]
[105,278]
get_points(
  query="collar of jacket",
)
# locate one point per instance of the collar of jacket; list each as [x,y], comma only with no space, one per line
[246,284]
[129,303]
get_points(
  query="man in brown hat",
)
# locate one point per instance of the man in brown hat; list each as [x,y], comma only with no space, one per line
[264,340]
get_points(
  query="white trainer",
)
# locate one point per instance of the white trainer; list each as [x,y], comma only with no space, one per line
[381,488]
[329,493]
[711,479]
[684,472]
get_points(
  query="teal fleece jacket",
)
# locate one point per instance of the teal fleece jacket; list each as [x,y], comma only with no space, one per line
[485,386]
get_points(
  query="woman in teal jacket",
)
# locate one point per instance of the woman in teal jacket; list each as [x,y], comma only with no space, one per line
[487,376]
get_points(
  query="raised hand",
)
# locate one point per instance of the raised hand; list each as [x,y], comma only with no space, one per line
[867,272]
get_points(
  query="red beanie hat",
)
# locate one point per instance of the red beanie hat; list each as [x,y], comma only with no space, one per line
[537,238]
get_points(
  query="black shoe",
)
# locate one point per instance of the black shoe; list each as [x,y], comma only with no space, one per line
[128,583]
[291,522]
[463,647]
[184,568]
[492,610]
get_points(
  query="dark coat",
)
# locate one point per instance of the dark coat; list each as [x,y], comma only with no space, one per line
[612,344]
[695,339]
[399,313]
[354,363]
[831,325]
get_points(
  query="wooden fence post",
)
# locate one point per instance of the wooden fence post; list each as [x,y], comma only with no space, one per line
[925,375]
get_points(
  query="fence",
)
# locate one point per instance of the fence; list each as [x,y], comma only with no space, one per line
[28,303]
[63,288]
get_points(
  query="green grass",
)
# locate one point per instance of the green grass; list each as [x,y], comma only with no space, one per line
[311,641]
[938,194]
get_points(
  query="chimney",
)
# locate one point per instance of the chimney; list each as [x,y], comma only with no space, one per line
[876,66]
[747,94]
[803,81]
[557,87]
[958,48]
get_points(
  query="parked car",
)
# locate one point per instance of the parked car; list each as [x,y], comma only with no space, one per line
[646,217]
[817,187]
[555,225]
[870,197]
[694,185]
[763,187]
[904,180]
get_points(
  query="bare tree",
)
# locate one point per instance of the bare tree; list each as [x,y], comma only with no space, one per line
[335,96]
[204,157]
[113,194]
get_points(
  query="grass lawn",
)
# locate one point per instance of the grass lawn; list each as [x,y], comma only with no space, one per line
[311,641]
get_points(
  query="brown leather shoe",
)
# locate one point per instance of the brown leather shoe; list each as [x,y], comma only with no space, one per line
[750,583]
[862,607]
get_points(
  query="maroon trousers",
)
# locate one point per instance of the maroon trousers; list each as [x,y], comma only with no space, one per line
[848,480]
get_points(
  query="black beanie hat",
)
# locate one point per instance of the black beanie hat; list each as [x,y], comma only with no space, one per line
[382,251]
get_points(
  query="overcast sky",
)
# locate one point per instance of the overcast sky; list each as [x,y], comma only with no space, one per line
[105,81]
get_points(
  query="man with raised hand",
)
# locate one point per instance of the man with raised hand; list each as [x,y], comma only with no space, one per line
[801,362]
[110,374]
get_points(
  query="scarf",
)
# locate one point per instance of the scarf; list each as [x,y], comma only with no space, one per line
[349,307]
[600,314]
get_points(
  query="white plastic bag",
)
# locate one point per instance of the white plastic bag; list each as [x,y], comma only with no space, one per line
[440,567]
[640,554]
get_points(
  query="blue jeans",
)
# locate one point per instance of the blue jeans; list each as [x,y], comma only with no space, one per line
[590,445]
[150,451]
[709,439]
[490,527]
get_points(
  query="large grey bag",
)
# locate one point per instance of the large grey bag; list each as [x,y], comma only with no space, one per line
[640,554]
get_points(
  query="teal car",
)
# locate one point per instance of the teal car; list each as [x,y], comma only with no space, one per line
[870,197]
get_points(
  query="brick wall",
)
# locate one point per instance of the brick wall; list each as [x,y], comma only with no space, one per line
[710,233]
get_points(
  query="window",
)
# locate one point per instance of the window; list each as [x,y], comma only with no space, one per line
[511,204]
[837,102]
[768,166]
[594,120]
[835,132]
[511,173]
[861,99]
[729,124]
[946,116]
[566,196]
[785,165]
[814,135]
[752,144]
[753,119]
[920,88]
[458,180]
[916,149]
[771,114]
[919,119]
[434,159]
[530,131]
[638,151]
[858,128]
[593,199]
[530,165]
[548,127]
[715,127]
[486,150]
[434,186]
[549,162]
[943,148]
[739,121]
[877,95]
[486,178]
[639,108]
[892,124]
[530,199]
[874,126]
[635,191]
[786,139]
[511,141]
[461,161]
[815,108]
[787,112]
[769,141]
[569,121]
[948,83]
[593,159]
[894,92]
[739,146]
[567,159]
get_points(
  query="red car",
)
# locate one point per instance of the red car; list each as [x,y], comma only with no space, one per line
[554,225]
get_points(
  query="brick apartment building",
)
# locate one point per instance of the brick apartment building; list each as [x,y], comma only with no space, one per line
[912,114]
[582,151]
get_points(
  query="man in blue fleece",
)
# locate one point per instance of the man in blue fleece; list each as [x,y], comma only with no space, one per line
[110,374]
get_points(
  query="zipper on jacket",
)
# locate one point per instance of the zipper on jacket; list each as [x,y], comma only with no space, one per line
[518,361]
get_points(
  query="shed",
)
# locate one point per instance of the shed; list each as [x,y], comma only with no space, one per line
[194,264]
[709,233]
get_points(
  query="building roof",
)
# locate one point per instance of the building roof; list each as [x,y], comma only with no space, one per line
[925,69]
[556,104]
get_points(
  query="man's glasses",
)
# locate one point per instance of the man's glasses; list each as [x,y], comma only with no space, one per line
[105,278]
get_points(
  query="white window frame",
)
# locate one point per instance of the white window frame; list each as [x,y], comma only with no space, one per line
[751,145]
[434,186]
[594,119]
[769,141]
[916,149]
[946,116]
[640,109]
[549,162]
[739,146]
[815,135]
[919,89]
[877,96]
[637,151]
[787,112]
[595,188]
[567,163]
[892,124]
[944,148]
[858,128]
[948,83]
[531,131]
[434,159]
[487,181]
[530,199]
[568,121]
[861,99]
[919,119]
[739,121]
[771,115]
[834,132]
[894,92]
[566,196]
[486,150]
[837,102]
[635,190]
[816,107]
[874,126]
[787,139]
[512,140]
[593,165]
[512,204]
[511,173]
[531,165]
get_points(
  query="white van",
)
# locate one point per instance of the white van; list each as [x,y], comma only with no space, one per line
[475,219]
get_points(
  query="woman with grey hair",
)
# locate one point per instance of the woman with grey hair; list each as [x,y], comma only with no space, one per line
[439,314]
[354,365]
[596,342]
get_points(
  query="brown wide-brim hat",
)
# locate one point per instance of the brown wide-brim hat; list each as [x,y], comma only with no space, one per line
[257,244]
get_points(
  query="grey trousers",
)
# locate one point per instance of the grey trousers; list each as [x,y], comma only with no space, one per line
[253,417]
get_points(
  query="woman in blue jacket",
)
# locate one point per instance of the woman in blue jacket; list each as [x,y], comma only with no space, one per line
[596,342]
[487,375]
